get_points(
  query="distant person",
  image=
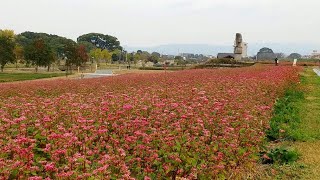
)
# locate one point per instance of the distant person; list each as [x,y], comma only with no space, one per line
[276,61]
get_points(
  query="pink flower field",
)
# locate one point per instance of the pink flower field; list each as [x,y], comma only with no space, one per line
[194,124]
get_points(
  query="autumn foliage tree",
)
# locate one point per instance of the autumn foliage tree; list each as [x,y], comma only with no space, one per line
[96,55]
[99,54]
[19,54]
[39,53]
[7,46]
[76,55]
[82,56]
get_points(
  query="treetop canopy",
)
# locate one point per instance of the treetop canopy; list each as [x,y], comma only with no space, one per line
[101,41]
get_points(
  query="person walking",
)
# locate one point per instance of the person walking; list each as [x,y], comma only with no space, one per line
[276,61]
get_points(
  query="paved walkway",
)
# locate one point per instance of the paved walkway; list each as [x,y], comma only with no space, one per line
[317,71]
[98,73]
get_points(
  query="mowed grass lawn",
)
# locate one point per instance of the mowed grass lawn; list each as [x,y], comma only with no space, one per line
[10,77]
[302,130]
[307,132]
[309,145]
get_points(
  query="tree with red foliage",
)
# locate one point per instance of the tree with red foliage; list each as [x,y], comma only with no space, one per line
[82,56]
[39,53]
[76,55]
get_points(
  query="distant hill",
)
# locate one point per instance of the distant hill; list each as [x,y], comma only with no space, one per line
[207,49]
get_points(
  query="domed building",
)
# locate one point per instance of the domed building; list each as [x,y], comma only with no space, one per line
[266,54]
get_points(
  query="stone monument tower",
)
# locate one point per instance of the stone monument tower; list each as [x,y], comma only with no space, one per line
[240,48]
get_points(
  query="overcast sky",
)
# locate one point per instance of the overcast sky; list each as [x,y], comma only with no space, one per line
[155,22]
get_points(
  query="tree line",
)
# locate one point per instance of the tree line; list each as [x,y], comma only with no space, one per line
[43,50]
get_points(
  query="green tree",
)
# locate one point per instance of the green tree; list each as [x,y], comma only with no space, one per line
[89,46]
[154,57]
[131,57]
[96,55]
[145,55]
[101,41]
[136,58]
[8,33]
[19,54]
[156,54]
[116,55]
[294,56]
[7,46]
[39,54]
[56,43]
[70,54]
[106,55]
[178,58]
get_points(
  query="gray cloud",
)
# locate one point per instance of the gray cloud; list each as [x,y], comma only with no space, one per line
[153,22]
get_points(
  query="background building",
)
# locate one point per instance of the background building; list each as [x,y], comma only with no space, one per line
[315,54]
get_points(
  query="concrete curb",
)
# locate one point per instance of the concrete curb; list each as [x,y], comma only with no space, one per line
[317,71]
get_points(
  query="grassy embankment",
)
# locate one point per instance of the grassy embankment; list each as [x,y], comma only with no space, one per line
[296,126]
[308,131]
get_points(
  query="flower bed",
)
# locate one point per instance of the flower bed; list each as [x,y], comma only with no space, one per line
[192,124]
